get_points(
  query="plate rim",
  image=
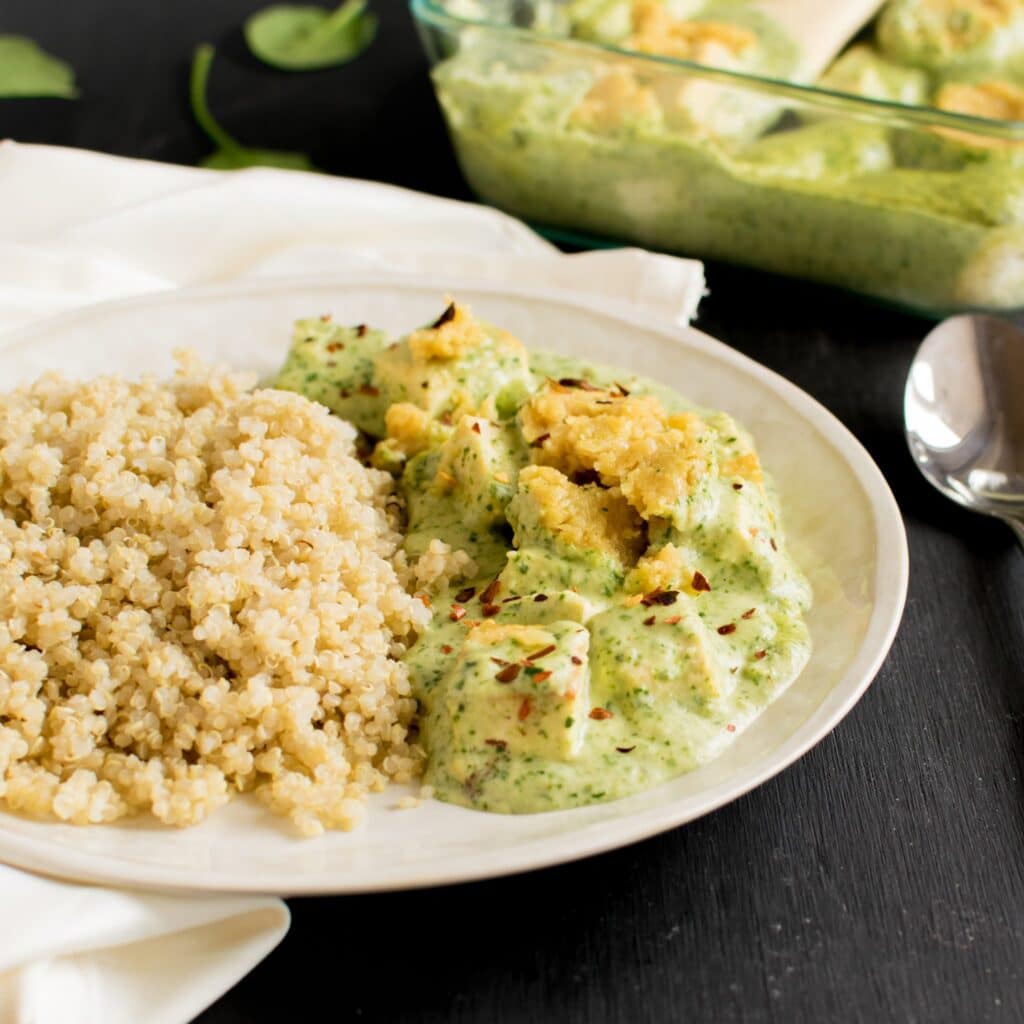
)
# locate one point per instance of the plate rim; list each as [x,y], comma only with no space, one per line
[892,570]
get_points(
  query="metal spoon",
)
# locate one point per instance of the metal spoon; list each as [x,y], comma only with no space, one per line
[963,410]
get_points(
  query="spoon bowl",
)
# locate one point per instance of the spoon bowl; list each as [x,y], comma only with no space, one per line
[963,411]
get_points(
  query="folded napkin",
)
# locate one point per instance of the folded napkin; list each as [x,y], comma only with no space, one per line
[76,954]
[78,228]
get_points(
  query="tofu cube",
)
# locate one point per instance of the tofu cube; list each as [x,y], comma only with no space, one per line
[521,689]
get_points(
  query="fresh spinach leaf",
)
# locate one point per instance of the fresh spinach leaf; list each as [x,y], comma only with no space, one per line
[301,38]
[26,70]
[231,154]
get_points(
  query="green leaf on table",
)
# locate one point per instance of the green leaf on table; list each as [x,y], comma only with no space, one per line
[236,159]
[305,38]
[26,70]
[231,154]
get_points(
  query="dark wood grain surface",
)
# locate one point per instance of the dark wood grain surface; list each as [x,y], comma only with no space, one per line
[881,878]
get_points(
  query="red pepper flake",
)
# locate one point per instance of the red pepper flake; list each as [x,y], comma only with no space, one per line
[600,714]
[475,428]
[749,613]
[622,390]
[457,612]
[508,673]
[538,442]
[648,599]
[488,595]
[424,384]
[730,727]
[524,709]
[447,316]
[729,627]
[541,677]
[666,597]
[700,582]
[325,318]
[361,331]
[626,750]
[649,621]
[737,487]
[335,346]
[500,661]
[490,610]
[424,599]
[540,598]
[446,418]
[542,653]
[673,620]
[514,597]
[576,660]
[345,392]
[760,654]
[576,382]
[466,594]
[447,648]
[775,547]
[369,389]
[582,477]
[500,744]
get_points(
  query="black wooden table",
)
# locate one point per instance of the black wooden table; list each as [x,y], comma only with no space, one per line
[880,878]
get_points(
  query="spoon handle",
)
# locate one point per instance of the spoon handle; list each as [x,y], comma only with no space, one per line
[1017,525]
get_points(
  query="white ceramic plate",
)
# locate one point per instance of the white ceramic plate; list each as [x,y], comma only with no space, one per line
[841,521]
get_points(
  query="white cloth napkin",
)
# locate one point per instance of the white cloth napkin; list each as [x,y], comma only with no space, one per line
[77,954]
[78,228]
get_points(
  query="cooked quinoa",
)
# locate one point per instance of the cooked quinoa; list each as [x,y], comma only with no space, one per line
[202,592]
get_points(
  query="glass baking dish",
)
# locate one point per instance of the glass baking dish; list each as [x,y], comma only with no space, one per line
[910,204]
